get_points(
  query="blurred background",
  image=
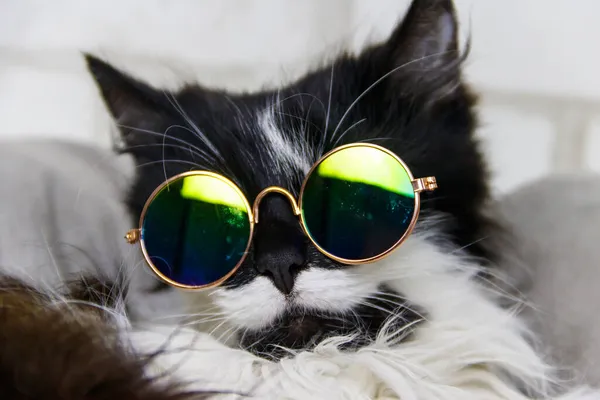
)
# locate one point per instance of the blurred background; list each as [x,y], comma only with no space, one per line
[534,63]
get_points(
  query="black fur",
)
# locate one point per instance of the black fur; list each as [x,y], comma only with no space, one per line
[411,100]
[295,329]
[70,349]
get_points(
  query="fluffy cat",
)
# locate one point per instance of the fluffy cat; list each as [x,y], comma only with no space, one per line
[405,94]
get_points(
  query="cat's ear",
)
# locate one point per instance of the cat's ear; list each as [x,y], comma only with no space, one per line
[424,45]
[132,103]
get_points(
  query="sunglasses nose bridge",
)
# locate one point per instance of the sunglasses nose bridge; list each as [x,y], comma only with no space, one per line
[274,189]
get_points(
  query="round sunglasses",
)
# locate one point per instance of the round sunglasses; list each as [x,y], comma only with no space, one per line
[357,204]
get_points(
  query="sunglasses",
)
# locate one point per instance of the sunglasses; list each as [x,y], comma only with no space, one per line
[357,204]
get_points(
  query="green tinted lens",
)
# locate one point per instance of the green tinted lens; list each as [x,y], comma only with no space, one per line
[358,203]
[196,229]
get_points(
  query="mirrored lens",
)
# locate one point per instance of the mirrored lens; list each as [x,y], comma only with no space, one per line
[358,203]
[196,229]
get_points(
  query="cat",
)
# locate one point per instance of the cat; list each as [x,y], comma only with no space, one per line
[421,110]
[406,94]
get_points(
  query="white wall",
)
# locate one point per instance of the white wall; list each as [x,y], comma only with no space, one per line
[534,62]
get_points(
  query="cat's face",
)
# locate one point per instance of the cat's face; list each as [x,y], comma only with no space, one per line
[405,95]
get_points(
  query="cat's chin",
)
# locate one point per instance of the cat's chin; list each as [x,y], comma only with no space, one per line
[299,329]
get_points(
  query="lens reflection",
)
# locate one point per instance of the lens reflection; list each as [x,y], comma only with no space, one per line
[196,229]
[358,203]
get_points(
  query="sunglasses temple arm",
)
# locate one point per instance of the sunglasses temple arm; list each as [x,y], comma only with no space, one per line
[427,184]
[133,236]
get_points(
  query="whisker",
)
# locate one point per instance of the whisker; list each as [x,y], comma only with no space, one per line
[458,250]
[173,101]
[193,164]
[304,120]
[149,132]
[279,101]
[175,146]
[241,118]
[178,316]
[377,82]
[348,130]
[202,321]
[376,307]
[227,335]
[324,142]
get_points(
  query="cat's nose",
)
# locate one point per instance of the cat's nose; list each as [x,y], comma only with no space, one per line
[279,243]
[281,267]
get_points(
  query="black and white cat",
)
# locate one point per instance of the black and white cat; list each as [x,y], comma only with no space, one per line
[405,95]
[425,321]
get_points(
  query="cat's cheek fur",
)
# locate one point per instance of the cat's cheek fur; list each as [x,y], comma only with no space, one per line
[441,283]
[259,303]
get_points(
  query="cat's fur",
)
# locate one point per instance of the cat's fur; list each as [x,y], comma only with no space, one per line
[64,345]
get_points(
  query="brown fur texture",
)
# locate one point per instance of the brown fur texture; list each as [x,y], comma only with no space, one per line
[67,348]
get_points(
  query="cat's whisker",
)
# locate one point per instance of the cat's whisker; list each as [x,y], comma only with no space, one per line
[324,141]
[50,252]
[202,321]
[276,104]
[241,117]
[399,306]
[208,156]
[187,316]
[164,139]
[196,130]
[173,138]
[256,342]
[394,275]
[348,130]
[304,121]
[378,81]
[66,302]
[369,140]
[216,328]
[227,335]
[474,242]
[243,334]
[376,307]
[517,297]
[387,301]
[193,164]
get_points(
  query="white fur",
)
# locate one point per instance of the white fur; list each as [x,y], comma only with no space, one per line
[253,305]
[258,303]
[465,350]
[416,370]
[286,154]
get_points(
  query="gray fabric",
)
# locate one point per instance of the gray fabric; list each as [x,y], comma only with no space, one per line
[556,223]
[59,205]
[62,212]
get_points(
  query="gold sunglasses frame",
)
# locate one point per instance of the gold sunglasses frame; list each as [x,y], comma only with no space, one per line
[419,185]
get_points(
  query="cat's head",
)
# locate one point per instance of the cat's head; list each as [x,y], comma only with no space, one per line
[405,94]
